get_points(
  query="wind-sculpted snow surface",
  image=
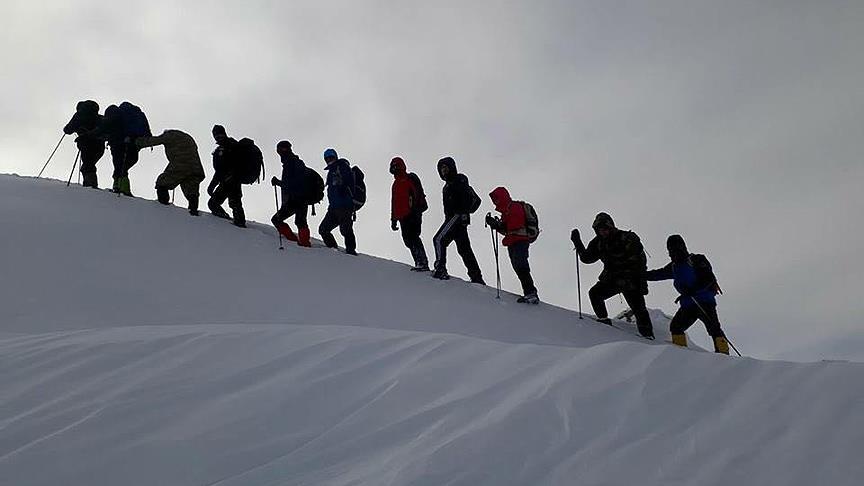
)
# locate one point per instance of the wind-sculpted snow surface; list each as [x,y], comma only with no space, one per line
[141,346]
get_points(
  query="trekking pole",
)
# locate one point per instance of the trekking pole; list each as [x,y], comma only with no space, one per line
[69,181]
[578,283]
[718,325]
[276,196]
[497,268]
[51,156]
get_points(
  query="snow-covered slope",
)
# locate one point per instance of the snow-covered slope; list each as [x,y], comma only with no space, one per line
[141,346]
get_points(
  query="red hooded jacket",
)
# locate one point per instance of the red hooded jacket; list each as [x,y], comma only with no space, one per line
[402,200]
[512,217]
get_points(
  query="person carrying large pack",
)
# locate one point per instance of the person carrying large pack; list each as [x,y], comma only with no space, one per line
[460,200]
[298,192]
[121,126]
[518,224]
[694,279]
[407,204]
[84,123]
[226,183]
[342,205]
[184,166]
[624,267]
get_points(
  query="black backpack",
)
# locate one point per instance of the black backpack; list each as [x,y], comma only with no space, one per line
[420,203]
[134,120]
[249,161]
[314,187]
[359,190]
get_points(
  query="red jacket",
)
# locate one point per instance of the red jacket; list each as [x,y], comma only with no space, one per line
[512,217]
[402,200]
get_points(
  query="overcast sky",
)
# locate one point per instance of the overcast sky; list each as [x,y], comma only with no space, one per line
[738,124]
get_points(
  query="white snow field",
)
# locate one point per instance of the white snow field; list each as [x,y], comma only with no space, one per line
[142,346]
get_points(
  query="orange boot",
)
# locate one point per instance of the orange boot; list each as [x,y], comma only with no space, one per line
[303,237]
[286,232]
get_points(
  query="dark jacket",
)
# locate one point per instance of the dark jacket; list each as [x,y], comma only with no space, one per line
[693,279]
[457,192]
[340,185]
[293,182]
[224,160]
[622,254]
[83,123]
[111,128]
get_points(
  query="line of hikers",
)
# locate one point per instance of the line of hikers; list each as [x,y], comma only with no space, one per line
[236,163]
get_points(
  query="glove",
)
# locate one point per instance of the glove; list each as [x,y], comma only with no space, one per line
[393,225]
[275,181]
[491,220]
[575,238]
[464,218]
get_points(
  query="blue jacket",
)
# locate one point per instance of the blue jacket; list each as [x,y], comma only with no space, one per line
[340,185]
[693,279]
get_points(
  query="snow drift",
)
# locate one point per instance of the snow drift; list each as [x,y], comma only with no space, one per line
[142,346]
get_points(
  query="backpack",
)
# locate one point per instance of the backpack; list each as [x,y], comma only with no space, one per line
[359,190]
[249,161]
[475,201]
[420,203]
[704,273]
[532,223]
[314,187]
[134,120]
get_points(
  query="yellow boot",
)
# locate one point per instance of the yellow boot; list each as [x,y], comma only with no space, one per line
[721,345]
[679,340]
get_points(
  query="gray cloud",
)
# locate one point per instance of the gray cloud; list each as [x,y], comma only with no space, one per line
[737,124]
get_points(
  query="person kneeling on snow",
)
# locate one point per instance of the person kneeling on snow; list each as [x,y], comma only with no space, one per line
[513,224]
[695,281]
[293,184]
[184,166]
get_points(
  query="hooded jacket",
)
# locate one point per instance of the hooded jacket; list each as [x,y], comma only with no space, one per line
[513,221]
[622,254]
[85,120]
[691,273]
[181,152]
[403,192]
[456,193]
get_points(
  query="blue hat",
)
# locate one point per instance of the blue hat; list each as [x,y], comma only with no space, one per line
[330,153]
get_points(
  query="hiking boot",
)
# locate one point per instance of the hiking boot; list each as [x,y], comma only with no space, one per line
[218,211]
[286,232]
[240,224]
[303,238]
[124,187]
[478,280]
[193,212]
[440,274]
[529,299]
[679,340]
[721,345]
[420,268]
[605,320]
[351,252]
[162,196]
